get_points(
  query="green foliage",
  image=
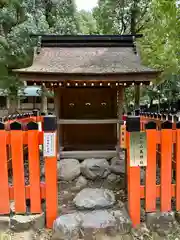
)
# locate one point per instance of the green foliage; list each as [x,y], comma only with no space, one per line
[160,49]
[129,97]
[87,23]
[62,17]
[121,16]
[19,19]
[158,20]
[160,44]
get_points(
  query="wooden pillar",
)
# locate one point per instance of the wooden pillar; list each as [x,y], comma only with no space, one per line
[44,103]
[57,113]
[137,96]
[120,99]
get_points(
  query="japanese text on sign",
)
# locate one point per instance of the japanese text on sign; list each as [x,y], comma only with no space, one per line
[49,144]
[138,149]
[123,136]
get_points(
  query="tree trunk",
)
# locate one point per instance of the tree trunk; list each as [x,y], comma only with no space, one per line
[151,103]
[134,11]
[13,105]
[133,18]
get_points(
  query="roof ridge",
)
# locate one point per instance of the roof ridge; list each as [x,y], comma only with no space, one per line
[87,40]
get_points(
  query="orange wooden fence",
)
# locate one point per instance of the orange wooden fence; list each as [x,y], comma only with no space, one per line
[16,138]
[168,137]
[158,118]
[24,119]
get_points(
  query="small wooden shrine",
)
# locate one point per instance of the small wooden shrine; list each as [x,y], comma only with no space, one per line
[88,75]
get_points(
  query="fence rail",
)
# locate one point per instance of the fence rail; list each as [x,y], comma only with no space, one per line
[14,138]
[164,136]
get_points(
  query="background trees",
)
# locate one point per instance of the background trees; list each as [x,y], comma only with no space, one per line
[158,20]
[19,19]
[160,48]
[121,16]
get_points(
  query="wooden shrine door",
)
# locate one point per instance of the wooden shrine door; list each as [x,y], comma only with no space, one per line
[88,104]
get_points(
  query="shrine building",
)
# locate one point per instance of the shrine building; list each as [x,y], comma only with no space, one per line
[88,75]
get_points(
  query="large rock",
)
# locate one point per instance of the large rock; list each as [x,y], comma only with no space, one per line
[97,219]
[96,198]
[68,169]
[114,178]
[67,227]
[121,153]
[162,223]
[22,223]
[117,166]
[117,220]
[123,221]
[95,168]
[88,223]
[81,182]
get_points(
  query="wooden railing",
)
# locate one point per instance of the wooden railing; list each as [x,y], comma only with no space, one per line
[163,136]
[15,136]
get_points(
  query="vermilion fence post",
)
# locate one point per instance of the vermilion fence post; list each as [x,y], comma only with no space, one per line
[177,166]
[34,167]
[166,165]
[50,155]
[18,167]
[133,174]
[4,188]
[150,193]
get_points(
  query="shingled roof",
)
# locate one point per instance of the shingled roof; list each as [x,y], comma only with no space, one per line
[98,56]
[87,60]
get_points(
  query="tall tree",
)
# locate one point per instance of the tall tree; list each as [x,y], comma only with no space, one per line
[160,44]
[19,19]
[15,46]
[160,48]
[62,16]
[87,23]
[122,17]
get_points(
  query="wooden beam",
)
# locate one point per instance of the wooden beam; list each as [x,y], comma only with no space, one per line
[109,77]
[89,121]
[57,112]
[120,100]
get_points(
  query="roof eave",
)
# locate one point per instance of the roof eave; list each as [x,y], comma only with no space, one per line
[57,77]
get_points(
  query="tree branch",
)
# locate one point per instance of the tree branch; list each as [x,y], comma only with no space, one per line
[142,17]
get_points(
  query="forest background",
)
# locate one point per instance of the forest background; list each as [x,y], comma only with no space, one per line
[157,20]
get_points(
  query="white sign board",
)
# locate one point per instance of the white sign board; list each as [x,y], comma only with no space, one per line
[138,149]
[49,144]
